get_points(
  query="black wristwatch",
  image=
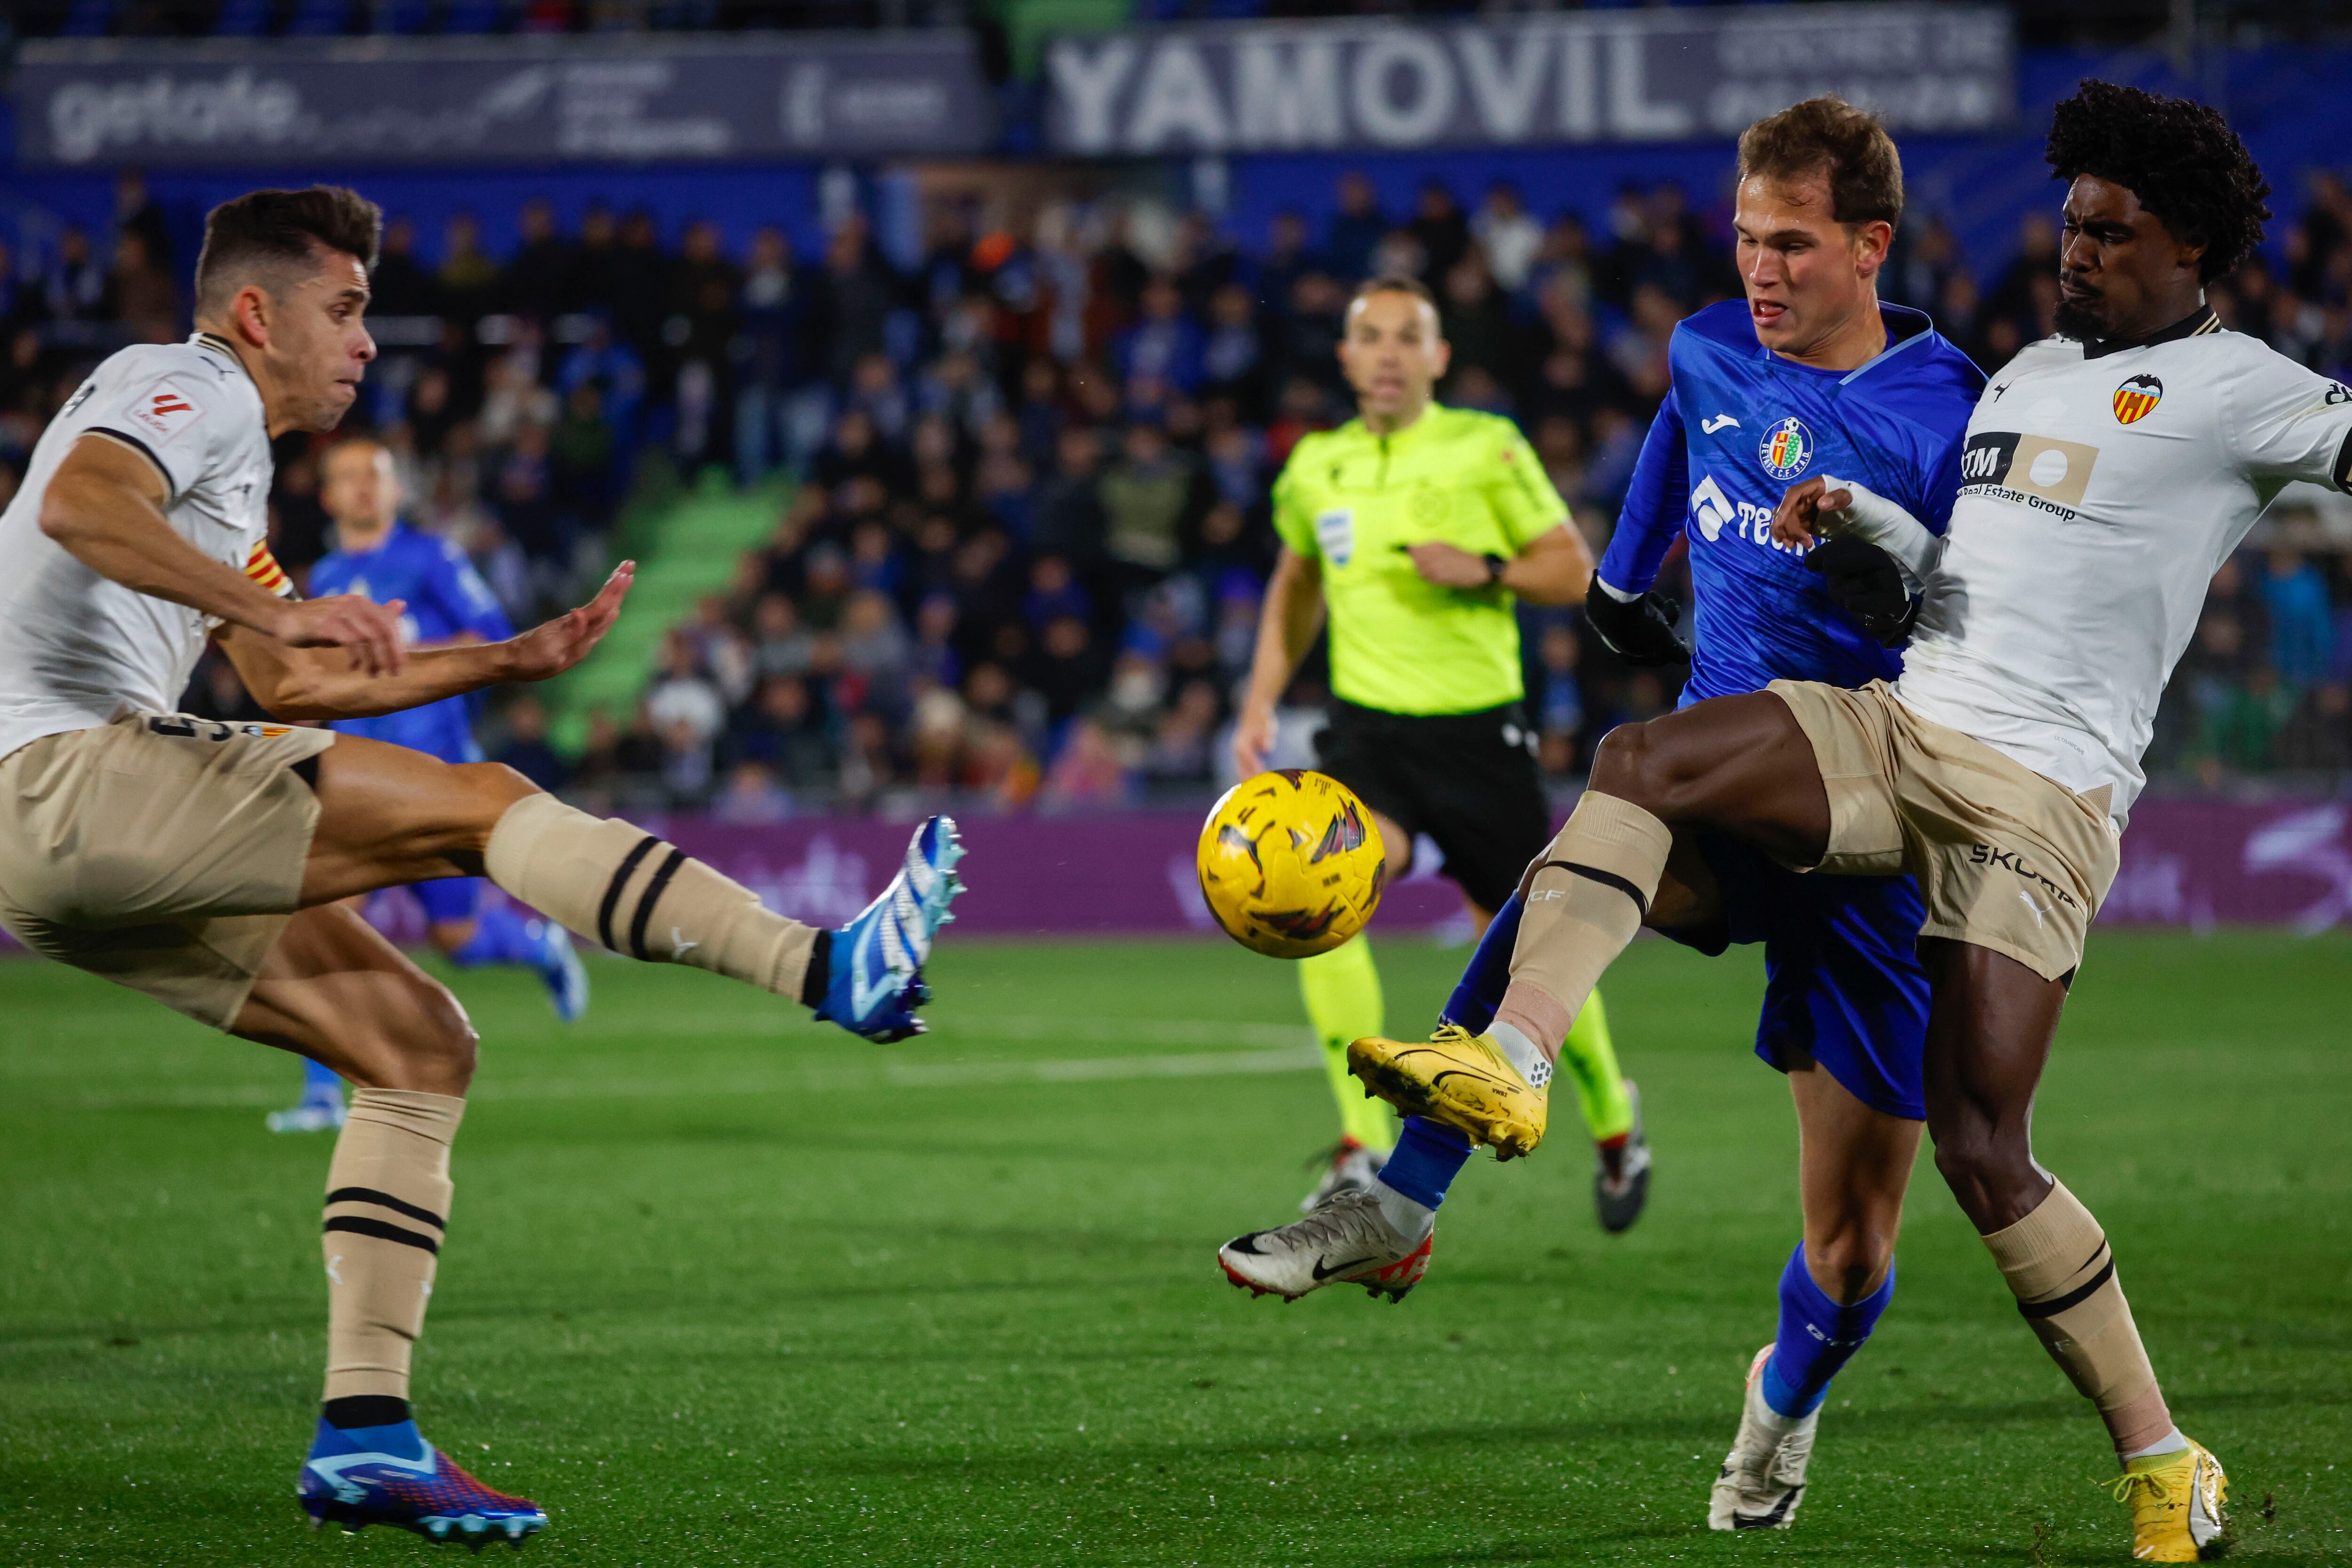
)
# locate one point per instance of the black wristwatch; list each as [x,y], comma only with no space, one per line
[1496,566]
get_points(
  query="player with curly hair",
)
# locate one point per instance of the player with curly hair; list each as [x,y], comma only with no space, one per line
[2107,474]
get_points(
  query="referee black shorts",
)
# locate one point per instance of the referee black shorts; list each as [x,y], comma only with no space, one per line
[1469,780]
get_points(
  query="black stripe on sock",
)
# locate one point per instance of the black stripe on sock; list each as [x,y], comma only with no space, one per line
[1605,878]
[2074,1298]
[613,891]
[385,1200]
[360,1225]
[654,886]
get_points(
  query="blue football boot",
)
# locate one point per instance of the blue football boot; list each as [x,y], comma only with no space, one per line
[876,979]
[558,964]
[321,1109]
[391,1475]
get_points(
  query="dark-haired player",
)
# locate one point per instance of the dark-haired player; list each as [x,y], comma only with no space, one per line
[205,864]
[2107,474]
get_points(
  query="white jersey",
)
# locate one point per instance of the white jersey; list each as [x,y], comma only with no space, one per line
[78,650]
[2101,487]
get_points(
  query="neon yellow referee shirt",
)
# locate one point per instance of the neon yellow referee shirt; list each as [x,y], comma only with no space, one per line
[1353,501]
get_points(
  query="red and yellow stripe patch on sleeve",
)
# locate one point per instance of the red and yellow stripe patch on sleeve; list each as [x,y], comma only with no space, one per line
[263,568]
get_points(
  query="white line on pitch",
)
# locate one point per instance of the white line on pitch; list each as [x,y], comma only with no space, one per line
[820,1080]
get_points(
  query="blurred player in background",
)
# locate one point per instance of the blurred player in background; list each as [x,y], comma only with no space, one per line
[1418,529]
[378,557]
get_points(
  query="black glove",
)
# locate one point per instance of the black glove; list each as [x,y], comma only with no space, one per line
[1640,631]
[1863,582]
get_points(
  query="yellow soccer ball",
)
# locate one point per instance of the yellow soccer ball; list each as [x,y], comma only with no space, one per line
[1291,863]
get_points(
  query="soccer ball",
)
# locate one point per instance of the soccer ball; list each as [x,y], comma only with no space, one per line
[1291,863]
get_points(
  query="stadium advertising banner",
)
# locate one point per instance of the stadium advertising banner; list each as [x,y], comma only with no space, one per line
[391,101]
[1651,75]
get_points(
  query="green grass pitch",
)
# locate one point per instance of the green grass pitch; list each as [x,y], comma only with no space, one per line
[725,1287]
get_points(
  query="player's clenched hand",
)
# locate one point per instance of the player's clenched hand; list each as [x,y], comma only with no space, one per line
[1252,738]
[554,646]
[1805,512]
[1448,565]
[368,630]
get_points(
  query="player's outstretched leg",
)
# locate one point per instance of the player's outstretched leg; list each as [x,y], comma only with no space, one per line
[390,815]
[1742,765]
[1989,1036]
[1611,1104]
[335,989]
[321,1109]
[1342,992]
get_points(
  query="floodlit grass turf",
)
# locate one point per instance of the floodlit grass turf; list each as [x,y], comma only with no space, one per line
[719,1290]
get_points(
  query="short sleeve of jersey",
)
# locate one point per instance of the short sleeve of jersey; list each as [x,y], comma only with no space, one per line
[1520,491]
[465,597]
[179,418]
[2287,423]
[1291,522]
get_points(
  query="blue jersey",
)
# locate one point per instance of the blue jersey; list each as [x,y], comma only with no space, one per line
[446,600]
[1739,427]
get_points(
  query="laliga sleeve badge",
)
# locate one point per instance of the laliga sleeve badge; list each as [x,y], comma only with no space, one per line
[1787,449]
[2136,399]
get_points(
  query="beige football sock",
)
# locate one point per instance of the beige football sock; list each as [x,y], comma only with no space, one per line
[2057,1263]
[1584,901]
[603,878]
[387,1206]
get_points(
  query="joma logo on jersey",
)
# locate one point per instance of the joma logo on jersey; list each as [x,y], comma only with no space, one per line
[2137,397]
[1786,449]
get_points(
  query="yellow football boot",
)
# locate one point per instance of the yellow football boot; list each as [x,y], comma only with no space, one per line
[1459,1079]
[2176,1502]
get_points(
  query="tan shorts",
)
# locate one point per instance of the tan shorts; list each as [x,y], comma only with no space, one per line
[162,852]
[2006,859]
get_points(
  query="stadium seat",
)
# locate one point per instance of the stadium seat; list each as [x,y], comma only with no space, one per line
[242,18]
[470,16]
[400,17]
[88,19]
[319,18]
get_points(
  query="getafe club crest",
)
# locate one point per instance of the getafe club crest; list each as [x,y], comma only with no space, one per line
[1788,448]
[2136,399]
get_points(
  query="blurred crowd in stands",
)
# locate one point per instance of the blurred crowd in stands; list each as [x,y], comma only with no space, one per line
[1021,485]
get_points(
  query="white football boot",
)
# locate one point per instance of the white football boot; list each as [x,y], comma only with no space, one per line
[1348,1241]
[1763,1477]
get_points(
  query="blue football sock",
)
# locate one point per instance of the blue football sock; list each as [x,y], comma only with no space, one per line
[1488,974]
[1818,1336]
[1423,1163]
[321,1082]
[501,936]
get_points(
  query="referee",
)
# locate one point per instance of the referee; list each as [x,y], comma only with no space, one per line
[1416,529]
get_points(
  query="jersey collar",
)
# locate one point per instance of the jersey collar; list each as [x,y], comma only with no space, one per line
[219,345]
[1905,330]
[2194,325]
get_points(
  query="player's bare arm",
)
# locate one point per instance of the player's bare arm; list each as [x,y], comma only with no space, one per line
[1555,569]
[1287,625]
[105,507]
[295,682]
